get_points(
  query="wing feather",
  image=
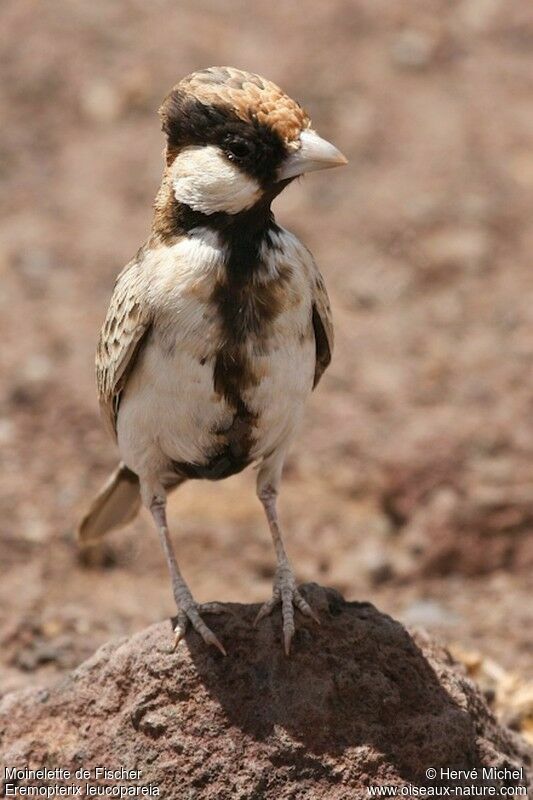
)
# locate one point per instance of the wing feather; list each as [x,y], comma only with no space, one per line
[125,327]
[322,325]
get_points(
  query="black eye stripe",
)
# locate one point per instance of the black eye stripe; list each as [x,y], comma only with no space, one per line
[256,148]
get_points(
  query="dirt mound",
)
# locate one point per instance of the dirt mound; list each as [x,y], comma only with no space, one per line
[360,702]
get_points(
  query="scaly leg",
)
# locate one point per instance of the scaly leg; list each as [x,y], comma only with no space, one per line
[285,591]
[188,609]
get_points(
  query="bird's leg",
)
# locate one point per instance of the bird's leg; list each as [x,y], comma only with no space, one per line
[188,609]
[284,591]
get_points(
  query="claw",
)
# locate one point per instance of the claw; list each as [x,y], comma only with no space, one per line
[179,633]
[267,608]
[289,597]
[210,638]
[261,614]
[191,615]
[303,606]
[287,639]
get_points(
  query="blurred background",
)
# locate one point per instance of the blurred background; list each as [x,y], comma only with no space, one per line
[411,485]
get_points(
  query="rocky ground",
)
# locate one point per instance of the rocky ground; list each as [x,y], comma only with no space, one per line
[411,484]
[255,725]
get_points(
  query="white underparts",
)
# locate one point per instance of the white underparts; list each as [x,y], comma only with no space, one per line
[205,180]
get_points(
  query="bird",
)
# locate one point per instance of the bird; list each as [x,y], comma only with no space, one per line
[220,327]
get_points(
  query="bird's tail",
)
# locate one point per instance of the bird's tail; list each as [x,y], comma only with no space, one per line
[116,504]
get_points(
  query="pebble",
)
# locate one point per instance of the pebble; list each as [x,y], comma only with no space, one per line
[38,368]
[428,613]
[413,49]
[7,431]
[100,102]
[455,246]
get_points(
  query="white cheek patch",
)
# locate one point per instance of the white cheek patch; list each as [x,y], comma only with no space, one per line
[204,180]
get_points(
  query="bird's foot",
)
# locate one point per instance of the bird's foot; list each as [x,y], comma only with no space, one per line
[287,595]
[190,612]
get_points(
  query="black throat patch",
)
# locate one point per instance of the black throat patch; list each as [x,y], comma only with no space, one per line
[247,301]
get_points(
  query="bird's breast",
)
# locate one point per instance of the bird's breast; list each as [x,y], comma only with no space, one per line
[223,379]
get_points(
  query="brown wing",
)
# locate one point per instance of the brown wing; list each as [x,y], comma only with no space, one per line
[125,326]
[322,325]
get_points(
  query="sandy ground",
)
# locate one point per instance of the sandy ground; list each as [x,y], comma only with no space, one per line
[411,484]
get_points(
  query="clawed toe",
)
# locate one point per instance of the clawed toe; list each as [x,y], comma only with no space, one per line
[192,614]
[286,594]
[268,607]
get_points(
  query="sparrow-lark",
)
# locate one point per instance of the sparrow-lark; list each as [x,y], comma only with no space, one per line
[220,327]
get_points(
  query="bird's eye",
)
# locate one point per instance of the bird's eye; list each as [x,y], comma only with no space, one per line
[238,148]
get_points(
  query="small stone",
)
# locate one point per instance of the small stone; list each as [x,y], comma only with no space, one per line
[34,262]
[377,565]
[7,431]
[37,368]
[153,724]
[413,49]
[34,529]
[52,627]
[428,613]
[455,247]
[478,15]
[100,102]
[520,167]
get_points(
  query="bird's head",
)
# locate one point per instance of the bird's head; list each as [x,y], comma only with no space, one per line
[235,140]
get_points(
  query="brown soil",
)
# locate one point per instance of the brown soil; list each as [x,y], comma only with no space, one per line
[411,484]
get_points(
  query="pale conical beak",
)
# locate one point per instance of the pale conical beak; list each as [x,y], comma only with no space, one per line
[313,153]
